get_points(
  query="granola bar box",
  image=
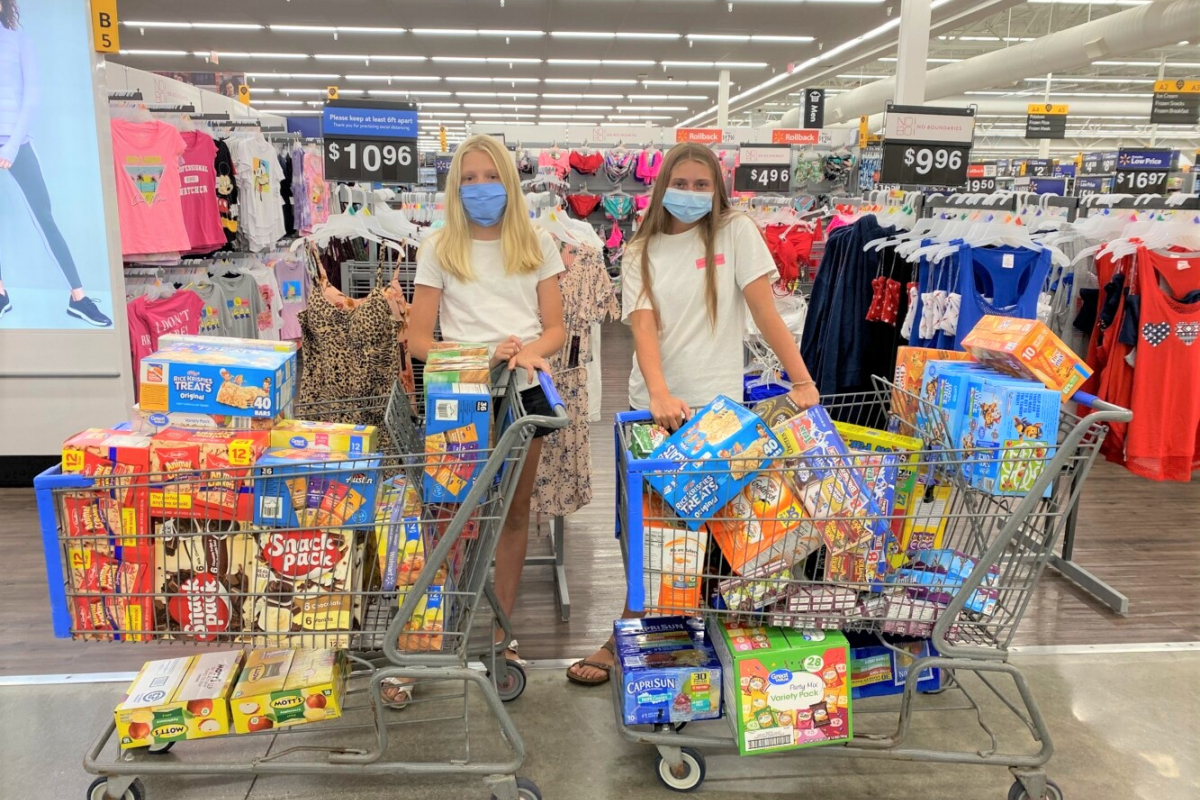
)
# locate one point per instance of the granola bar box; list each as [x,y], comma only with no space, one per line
[311,487]
[719,451]
[216,379]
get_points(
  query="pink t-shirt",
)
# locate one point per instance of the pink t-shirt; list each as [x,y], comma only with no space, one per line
[294,288]
[198,193]
[150,319]
[314,185]
[146,156]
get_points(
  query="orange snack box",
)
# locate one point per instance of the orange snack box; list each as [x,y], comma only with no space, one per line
[192,494]
[1027,349]
[910,371]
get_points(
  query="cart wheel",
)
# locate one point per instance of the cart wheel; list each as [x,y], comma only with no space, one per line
[160,749]
[526,790]
[514,685]
[99,791]
[692,771]
[1017,792]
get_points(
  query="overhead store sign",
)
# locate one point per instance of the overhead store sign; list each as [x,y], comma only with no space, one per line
[1056,186]
[370,141]
[105,36]
[802,136]
[1142,171]
[1176,102]
[927,145]
[1046,121]
[929,125]
[814,108]
[701,135]
[369,119]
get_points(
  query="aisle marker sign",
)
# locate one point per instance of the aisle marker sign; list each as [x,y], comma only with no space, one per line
[370,141]
[927,145]
[814,108]
[1176,102]
[104,26]
[1046,121]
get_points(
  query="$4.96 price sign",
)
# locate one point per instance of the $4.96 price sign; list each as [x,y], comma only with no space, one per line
[762,179]
[1140,182]
[367,160]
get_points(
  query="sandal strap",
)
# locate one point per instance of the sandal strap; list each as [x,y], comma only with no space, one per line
[605,668]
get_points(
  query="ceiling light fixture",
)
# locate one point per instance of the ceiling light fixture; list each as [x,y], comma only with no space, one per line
[481,60]
[759,37]
[557,96]
[592,81]
[607,62]
[493,80]
[422,78]
[154,52]
[324,75]
[583,34]
[224,26]
[360,57]
[222,54]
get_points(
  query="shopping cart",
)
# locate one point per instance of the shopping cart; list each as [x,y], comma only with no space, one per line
[219,580]
[971,622]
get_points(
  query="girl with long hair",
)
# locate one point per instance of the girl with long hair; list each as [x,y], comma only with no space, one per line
[19,94]
[689,275]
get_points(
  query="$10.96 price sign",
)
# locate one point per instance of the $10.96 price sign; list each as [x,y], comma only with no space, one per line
[374,161]
[925,165]
[1140,182]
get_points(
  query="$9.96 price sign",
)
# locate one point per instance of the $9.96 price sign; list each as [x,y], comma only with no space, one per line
[366,160]
[925,165]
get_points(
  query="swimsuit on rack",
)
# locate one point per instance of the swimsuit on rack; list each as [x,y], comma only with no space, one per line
[649,162]
[617,164]
[586,163]
[641,202]
[618,206]
[615,239]
[561,162]
[583,204]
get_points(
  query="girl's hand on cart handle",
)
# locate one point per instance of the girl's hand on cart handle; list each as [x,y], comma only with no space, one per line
[669,412]
[506,351]
[805,394]
[529,362]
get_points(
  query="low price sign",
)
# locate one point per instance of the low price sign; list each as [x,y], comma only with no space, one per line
[370,141]
[1142,171]
[927,145]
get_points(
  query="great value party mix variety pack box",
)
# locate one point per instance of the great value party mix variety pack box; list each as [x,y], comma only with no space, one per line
[1027,349]
[458,419]
[668,671]
[193,375]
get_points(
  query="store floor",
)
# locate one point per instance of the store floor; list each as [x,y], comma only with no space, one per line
[1125,727]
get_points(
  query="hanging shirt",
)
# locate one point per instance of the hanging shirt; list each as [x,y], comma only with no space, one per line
[285,193]
[243,304]
[146,157]
[227,193]
[260,204]
[270,317]
[198,192]
[212,312]
[318,192]
[1001,281]
[294,286]
[151,319]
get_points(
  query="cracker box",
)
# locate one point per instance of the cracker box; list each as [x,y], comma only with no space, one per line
[217,379]
[1027,349]
[458,418]
[675,682]
[458,363]
[1015,429]
[281,688]
[763,523]
[152,422]
[333,436]
[719,450]
[177,699]
[877,671]
[307,488]
[910,372]
[776,410]
[206,473]
[784,690]
[823,476]
[867,562]
[674,558]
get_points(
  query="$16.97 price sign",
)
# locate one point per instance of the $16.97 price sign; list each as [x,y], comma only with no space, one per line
[368,160]
[925,165]
[1140,182]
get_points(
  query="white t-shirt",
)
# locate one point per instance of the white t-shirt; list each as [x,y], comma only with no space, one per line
[495,305]
[260,204]
[699,361]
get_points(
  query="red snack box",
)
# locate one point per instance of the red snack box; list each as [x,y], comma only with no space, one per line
[191,493]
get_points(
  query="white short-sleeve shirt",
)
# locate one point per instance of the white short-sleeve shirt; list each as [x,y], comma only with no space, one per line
[699,361]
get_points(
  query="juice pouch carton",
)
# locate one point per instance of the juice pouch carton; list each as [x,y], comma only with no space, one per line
[719,451]
[1027,349]
[824,476]
[877,671]
[908,383]
[333,436]
[458,419]
[280,688]
[321,488]
[187,489]
[784,690]
[762,524]
[217,379]
[1015,429]
[653,634]
[177,699]
[678,681]
[674,558]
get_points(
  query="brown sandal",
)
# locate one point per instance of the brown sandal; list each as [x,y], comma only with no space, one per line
[605,668]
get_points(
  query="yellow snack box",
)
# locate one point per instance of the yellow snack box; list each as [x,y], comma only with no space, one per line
[280,688]
[331,436]
[1027,349]
[177,699]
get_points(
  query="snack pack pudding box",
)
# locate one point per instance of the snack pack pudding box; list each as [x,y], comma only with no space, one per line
[217,379]
[784,690]
[178,698]
[1027,349]
[669,672]
[279,688]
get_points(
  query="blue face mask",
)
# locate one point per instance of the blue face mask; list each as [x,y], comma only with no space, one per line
[687,207]
[484,202]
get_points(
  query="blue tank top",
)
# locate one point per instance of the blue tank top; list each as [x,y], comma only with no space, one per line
[1001,281]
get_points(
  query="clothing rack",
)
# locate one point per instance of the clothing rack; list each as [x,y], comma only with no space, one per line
[1144,202]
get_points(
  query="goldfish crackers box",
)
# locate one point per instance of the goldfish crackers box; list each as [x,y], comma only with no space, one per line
[719,451]
[784,690]
[1014,425]
[908,384]
[1027,349]
[281,688]
[209,473]
[177,699]
[674,560]
[458,419]
[668,671]
[196,376]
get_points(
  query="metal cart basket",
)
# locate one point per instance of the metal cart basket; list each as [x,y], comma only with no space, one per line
[999,534]
[357,568]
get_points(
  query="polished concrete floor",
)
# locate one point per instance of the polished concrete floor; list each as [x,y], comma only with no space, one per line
[1126,726]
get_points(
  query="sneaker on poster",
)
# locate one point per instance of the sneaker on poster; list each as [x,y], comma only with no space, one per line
[5,304]
[86,310]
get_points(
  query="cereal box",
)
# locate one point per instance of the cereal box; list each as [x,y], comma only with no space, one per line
[458,418]
[910,372]
[784,690]
[1027,349]
[206,473]
[866,562]
[333,436]
[762,523]
[312,487]
[776,410]
[177,699]
[217,379]
[1015,428]
[719,450]
[281,688]
[152,422]
[677,680]
[674,559]
[876,671]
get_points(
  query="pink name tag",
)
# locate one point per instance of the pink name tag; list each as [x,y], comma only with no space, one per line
[718,261]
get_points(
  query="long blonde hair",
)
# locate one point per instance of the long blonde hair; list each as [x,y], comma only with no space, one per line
[519,245]
[658,220]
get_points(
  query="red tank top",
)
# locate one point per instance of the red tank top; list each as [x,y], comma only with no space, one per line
[1164,438]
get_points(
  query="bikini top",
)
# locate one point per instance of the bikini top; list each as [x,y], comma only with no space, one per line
[617,164]
[586,163]
[615,239]
[649,162]
[618,206]
[561,164]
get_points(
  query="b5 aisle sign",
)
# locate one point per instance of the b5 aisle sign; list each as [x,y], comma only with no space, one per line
[104,26]
[370,141]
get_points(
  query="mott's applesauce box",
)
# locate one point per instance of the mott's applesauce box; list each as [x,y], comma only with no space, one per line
[910,372]
[279,688]
[315,488]
[217,379]
[1027,349]
[178,698]
[458,418]
[668,671]
[784,690]
[719,451]
[333,436]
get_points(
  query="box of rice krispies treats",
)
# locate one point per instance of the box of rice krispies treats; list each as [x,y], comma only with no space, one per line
[217,379]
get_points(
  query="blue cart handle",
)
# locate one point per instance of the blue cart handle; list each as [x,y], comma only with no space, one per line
[547,382]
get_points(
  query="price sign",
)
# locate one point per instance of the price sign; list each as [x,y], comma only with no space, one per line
[775,179]
[1140,182]
[1090,186]
[927,145]
[1039,168]
[932,165]
[981,185]
[370,161]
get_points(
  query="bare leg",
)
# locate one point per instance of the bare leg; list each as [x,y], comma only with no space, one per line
[514,536]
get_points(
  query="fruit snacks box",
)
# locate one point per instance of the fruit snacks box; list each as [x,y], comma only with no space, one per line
[907,385]
[152,422]
[937,575]
[333,436]
[315,488]
[676,683]
[398,547]
[1014,425]
[719,450]
[867,562]
[458,363]
[205,474]
[645,437]
[824,476]
[674,559]
[458,418]
[925,526]
[784,690]
[177,699]
[1027,349]
[764,522]
[777,410]
[282,688]
[217,379]
[423,631]
[877,671]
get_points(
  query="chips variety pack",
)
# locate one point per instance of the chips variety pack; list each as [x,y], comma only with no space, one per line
[674,558]
[281,688]
[306,488]
[332,436]
[1027,349]
[177,699]
[908,383]
[668,671]
[191,375]
[458,418]
[207,473]
[1012,429]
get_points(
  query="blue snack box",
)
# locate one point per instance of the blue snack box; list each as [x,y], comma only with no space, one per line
[1014,427]
[707,479]
[876,671]
[217,379]
[458,419]
[315,488]
[676,683]
[944,385]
